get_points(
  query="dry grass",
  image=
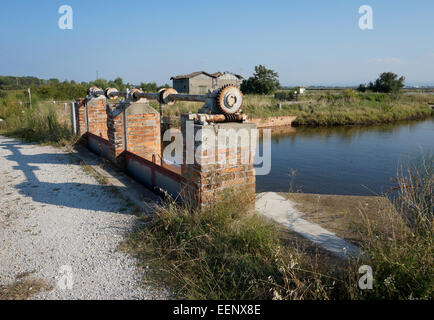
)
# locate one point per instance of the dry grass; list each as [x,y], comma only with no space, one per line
[23,289]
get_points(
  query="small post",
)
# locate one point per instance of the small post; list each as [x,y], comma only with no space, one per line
[73,119]
[30,98]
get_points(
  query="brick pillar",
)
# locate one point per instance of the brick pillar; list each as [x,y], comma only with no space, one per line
[134,126]
[229,166]
[143,131]
[97,116]
[80,117]
[115,134]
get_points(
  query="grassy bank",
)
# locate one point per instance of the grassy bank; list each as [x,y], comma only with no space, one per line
[228,253]
[346,108]
[329,108]
[223,253]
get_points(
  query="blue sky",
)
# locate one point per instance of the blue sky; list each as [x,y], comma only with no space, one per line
[306,42]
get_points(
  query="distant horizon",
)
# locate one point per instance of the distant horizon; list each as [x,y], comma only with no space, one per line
[336,85]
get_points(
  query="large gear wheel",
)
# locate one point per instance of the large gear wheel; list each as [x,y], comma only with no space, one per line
[164,94]
[229,99]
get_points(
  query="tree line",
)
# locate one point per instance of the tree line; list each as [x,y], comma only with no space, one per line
[263,81]
[66,90]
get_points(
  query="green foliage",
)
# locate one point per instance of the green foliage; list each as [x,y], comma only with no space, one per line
[17,83]
[387,82]
[149,87]
[285,95]
[66,90]
[60,91]
[264,81]
[361,88]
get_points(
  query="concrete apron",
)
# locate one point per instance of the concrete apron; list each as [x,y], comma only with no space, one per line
[283,211]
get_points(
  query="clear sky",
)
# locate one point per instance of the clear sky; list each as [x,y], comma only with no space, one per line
[307,42]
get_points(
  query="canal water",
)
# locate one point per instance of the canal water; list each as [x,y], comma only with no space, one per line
[359,160]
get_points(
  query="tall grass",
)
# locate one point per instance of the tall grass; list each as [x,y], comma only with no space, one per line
[399,245]
[328,108]
[39,124]
[345,108]
[225,252]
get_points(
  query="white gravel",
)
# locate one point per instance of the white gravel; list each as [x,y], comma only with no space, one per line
[53,214]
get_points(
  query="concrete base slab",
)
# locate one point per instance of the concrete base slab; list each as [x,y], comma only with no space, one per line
[283,211]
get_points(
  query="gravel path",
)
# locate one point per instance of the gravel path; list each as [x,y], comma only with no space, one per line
[59,223]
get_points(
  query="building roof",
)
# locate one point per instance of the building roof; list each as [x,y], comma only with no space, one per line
[194,74]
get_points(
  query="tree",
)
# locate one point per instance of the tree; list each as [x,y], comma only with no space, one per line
[264,81]
[118,83]
[361,88]
[389,82]
[149,87]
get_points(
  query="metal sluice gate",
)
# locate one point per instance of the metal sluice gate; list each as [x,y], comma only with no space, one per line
[221,105]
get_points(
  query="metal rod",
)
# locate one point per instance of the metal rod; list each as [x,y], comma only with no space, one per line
[147,95]
[116,94]
[171,97]
[187,97]
[98,93]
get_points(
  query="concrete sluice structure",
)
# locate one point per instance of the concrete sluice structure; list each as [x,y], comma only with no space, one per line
[128,133]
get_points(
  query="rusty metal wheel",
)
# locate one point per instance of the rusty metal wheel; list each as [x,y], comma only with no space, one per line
[164,94]
[229,99]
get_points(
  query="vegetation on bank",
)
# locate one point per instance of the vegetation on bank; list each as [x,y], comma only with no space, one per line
[43,122]
[64,90]
[346,107]
[226,252]
[315,108]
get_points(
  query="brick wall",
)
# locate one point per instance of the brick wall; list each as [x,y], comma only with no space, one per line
[97,116]
[142,131]
[115,134]
[214,172]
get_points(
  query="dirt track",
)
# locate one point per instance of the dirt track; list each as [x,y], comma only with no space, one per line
[59,225]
